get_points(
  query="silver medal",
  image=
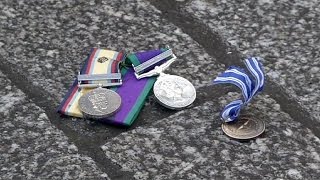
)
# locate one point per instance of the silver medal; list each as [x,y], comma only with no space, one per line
[99,103]
[171,91]
[174,92]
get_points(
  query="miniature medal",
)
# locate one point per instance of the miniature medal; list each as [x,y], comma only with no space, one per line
[171,91]
[99,103]
[244,128]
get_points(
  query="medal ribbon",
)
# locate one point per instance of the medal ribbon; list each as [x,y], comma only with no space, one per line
[99,61]
[133,92]
[248,86]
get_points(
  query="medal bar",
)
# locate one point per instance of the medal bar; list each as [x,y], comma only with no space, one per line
[157,69]
[99,77]
[140,68]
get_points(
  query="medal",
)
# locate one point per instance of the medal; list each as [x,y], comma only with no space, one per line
[99,103]
[171,91]
[86,97]
[174,92]
[244,128]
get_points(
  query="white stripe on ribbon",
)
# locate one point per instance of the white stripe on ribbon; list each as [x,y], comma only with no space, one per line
[247,78]
[235,81]
[232,110]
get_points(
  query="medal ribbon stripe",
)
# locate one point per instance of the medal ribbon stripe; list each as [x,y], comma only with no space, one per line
[68,98]
[73,89]
[232,110]
[69,105]
[140,101]
[88,65]
[229,78]
[145,87]
[143,57]
[242,73]
[73,105]
[94,61]
[115,66]
[255,68]
[248,86]
[133,93]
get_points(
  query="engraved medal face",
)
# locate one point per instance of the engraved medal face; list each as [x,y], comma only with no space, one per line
[174,92]
[244,128]
[99,103]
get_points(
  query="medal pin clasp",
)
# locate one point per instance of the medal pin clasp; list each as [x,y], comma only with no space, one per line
[99,78]
[158,69]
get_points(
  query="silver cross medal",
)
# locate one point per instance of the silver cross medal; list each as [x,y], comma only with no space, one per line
[171,91]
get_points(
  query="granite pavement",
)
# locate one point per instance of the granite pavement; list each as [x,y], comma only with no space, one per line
[190,145]
[284,33]
[31,147]
[43,44]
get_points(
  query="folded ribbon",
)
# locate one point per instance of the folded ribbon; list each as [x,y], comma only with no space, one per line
[248,86]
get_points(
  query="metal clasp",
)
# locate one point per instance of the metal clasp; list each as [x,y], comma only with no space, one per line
[140,68]
[158,69]
[99,77]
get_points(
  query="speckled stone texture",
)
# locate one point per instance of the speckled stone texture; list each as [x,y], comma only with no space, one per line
[191,145]
[51,39]
[31,148]
[284,33]
[43,44]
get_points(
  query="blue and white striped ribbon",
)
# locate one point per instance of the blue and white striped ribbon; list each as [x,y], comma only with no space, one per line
[248,86]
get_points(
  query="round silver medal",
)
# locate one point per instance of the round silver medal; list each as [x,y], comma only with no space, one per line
[174,92]
[99,103]
[244,128]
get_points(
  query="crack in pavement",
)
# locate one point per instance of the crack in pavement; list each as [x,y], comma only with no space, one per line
[87,145]
[40,98]
[214,45]
[227,54]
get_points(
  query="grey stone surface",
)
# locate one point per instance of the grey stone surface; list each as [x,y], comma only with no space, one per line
[48,41]
[31,147]
[191,145]
[43,44]
[51,39]
[284,33]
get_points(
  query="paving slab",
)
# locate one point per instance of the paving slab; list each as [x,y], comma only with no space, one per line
[43,44]
[46,43]
[191,145]
[284,33]
[31,147]
[51,39]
